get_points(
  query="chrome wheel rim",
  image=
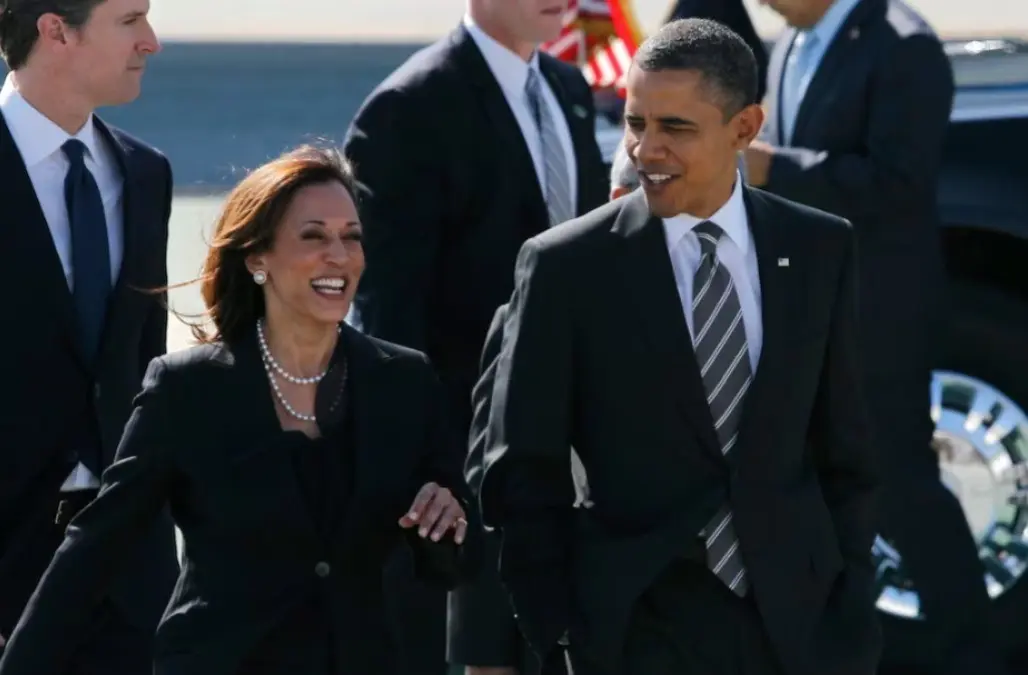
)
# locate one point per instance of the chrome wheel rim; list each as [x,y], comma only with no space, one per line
[982,440]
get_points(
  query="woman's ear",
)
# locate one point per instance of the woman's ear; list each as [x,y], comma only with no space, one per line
[255,262]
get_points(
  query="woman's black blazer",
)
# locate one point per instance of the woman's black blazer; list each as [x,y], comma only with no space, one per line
[199,441]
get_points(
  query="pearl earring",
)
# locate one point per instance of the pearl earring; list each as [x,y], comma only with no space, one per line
[259,277]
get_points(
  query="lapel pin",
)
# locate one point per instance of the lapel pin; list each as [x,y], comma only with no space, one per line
[783,262]
[854,33]
[579,111]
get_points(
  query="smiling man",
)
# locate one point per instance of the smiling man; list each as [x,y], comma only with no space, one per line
[84,214]
[694,342]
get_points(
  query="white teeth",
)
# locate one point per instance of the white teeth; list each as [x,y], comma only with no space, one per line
[658,177]
[329,284]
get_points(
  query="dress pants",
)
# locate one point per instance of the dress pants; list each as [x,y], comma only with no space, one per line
[111,644]
[689,623]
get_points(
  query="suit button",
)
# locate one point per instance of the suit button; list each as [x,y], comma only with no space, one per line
[322,569]
[96,390]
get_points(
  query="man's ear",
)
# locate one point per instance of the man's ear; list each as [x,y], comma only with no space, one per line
[51,28]
[747,124]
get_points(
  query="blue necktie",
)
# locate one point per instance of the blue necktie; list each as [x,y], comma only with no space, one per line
[90,258]
[798,73]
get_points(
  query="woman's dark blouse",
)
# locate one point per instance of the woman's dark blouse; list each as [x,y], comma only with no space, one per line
[302,642]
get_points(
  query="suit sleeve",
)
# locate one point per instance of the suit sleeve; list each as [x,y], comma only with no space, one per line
[481,629]
[909,111]
[154,340]
[527,489]
[444,563]
[843,455]
[401,202]
[134,490]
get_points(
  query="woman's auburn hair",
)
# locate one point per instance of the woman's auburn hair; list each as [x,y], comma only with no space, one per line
[246,226]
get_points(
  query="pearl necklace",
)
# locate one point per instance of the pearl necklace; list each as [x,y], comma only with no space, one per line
[271,366]
[295,379]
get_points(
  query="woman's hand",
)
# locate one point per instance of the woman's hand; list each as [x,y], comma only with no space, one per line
[436,510]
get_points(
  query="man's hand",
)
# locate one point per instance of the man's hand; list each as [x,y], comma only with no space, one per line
[758,162]
[476,670]
[436,510]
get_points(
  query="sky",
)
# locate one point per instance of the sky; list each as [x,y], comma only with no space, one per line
[399,20]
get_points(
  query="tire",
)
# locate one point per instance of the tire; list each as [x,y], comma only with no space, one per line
[983,357]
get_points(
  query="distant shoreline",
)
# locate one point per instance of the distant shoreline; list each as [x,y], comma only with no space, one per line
[416,41]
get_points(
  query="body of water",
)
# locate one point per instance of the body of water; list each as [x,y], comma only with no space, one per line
[218,110]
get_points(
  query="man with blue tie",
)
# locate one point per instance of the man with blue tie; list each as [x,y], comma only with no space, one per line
[859,98]
[83,235]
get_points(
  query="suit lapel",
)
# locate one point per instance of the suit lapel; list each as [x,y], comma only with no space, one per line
[658,308]
[133,212]
[263,466]
[371,399]
[834,60]
[370,395]
[30,241]
[770,240]
[582,132]
[501,122]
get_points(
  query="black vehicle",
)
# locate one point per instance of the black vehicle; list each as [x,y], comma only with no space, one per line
[979,391]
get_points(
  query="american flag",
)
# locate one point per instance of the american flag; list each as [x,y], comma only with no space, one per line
[597,36]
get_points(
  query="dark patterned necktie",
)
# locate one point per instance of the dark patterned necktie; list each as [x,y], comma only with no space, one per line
[723,357]
[90,257]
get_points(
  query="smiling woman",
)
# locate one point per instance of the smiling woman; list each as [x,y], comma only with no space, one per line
[296,455]
[285,234]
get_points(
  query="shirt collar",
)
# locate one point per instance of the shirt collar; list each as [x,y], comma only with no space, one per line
[36,136]
[509,69]
[825,29]
[731,218]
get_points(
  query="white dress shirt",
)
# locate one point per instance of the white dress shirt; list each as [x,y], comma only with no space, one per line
[39,141]
[735,251]
[511,72]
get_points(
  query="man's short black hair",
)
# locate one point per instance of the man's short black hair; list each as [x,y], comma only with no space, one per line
[18,19]
[722,58]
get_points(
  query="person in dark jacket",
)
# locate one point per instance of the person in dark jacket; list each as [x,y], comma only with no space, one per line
[295,454]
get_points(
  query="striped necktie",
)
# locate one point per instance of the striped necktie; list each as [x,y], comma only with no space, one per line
[723,357]
[557,177]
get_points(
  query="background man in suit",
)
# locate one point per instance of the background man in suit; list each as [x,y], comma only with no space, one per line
[859,100]
[473,145]
[695,342]
[85,224]
[733,14]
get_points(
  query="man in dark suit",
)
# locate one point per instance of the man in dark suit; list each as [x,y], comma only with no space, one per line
[83,235]
[695,342]
[473,145]
[859,100]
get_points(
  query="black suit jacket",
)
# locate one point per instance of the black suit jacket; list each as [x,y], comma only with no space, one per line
[61,398]
[204,438]
[608,368]
[867,146]
[448,195]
